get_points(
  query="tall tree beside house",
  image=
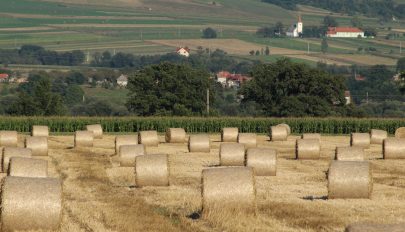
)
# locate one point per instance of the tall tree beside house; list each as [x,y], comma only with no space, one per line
[285,88]
[169,89]
[356,22]
[324,45]
[329,21]
[401,64]
[209,33]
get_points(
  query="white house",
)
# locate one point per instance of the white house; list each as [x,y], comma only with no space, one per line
[183,51]
[344,32]
[296,29]
[122,80]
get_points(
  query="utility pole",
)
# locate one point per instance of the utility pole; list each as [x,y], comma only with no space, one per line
[88,57]
[308,48]
[208,101]
[367,98]
[400,47]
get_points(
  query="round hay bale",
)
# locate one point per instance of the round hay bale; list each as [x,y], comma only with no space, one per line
[148,138]
[84,138]
[128,153]
[96,129]
[229,134]
[377,136]
[199,143]
[367,227]
[278,133]
[40,131]
[248,139]
[8,138]
[262,160]
[175,135]
[31,203]
[232,154]
[360,140]
[311,136]
[400,133]
[125,140]
[349,154]
[152,170]
[38,145]
[27,167]
[349,179]
[9,152]
[286,127]
[230,188]
[394,148]
[307,149]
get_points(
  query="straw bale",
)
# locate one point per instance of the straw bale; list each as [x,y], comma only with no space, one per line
[232,154]
[84,138]
[286,127]
[9,152]
[128,153]
[228,188]
[31,203]
[349,154]
[350,179]
[311,136]
[40,131]
[278,133]
[394,148]
[38,145]
[229,134]
[262,160]
[377,136]
[148,138]
[248,139]
[400,133]
[121,176]
[308,149]
[97,130]
[152,170]
[28,167]
[360,140]
[199,143]
[8,138]
[175,135]
[370,227]
[125,140]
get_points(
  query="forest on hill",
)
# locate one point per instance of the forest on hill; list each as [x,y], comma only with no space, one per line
[385,9]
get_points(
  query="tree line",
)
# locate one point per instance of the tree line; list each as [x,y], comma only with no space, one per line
[33,54]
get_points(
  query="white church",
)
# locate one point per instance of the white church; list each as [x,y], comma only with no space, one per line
[296,29]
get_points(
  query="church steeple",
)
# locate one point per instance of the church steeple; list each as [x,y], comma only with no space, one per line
[299,18]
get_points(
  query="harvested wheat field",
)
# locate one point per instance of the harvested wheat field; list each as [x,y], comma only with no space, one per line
[98,195]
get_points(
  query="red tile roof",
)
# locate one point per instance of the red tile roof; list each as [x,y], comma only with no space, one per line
[3,76]
[334,30]
[185,48]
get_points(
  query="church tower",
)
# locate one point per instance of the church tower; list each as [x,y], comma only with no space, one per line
[300,26]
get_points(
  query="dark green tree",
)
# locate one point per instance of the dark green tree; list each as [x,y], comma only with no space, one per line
[168,89]
[329,21]
[324,45]
[401,64]
[285,88]
[209,33]
[267,51]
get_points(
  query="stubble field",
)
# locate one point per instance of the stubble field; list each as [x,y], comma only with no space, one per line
[98,195]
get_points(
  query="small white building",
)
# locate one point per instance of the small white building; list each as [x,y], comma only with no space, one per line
[183,51]
[344,32]
[122,80]
[296,29]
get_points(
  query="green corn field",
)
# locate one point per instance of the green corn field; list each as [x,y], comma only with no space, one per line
[199,124]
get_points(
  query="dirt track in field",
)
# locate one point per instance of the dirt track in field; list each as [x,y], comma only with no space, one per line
[100,196]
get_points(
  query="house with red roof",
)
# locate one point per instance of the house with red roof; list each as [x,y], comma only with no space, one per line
[229,80]
[344,32]
[183,51]
[4,77]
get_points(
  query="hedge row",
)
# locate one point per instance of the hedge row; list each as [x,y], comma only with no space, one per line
[198,125]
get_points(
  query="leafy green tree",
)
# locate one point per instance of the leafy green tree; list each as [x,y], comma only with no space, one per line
[73,95]
[209,33]
[329,21]
[356,22]
[285,88]
[267,51]
[401,64]
[168,89]
[324,45]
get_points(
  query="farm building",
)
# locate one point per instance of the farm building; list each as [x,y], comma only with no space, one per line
[228,80]
[183,51]
[344,32]
[296,29]
[4,77]
[122,80]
